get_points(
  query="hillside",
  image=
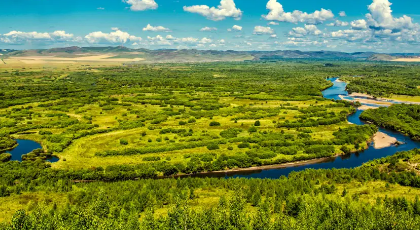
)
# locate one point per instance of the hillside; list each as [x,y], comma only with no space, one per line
[181,56]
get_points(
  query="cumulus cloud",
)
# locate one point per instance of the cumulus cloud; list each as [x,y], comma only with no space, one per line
[235,28]
[342,14]
[277,13]
[259,30]
[381,27]
[208,29]
[156,28]
[141,5]
[303,31]
[170,37]
[188,40]
[352,35]
[159,40]
[116,37]
[380,17]
[360,24]
[206,40]
[338,23]
[273,23]
[227,8]
[19,37]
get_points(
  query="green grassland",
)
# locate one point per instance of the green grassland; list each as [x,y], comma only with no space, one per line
[189,118]
[116,129]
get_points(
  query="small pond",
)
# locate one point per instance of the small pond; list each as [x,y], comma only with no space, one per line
[25,147]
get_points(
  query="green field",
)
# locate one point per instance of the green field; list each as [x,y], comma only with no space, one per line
[179,118]
[116,129]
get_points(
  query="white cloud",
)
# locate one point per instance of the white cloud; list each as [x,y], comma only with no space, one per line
[303,31]
[156,28]
[100,8]
[170,37]
[19,37]
[115,28]
[352,35]
[206,40]
[115,37]
[159,40]
[188,40]
[380,17]
[277,13]
[273,23]
[360,24]
[235,28]
[273,36]
[259,30]
[227,8]
[141,5]
[342,14]
[338,23]
[208,29]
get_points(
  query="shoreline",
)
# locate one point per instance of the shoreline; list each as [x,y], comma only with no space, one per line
[263,167]
[256,168]
[382,140]
[8,149]
[369,99]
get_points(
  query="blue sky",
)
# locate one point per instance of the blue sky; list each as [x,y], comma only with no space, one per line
[357,25]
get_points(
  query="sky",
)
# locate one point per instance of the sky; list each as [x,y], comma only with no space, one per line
[348,26]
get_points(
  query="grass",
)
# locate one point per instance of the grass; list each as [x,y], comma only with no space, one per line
[108,111]
[26,201]
[81,153]
[406,98]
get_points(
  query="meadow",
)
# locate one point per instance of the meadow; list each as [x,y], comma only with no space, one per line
[122,131]
[178,118]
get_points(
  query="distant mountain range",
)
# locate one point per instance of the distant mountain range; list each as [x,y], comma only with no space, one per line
[192,55]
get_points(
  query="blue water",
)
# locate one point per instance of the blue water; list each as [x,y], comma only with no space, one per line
[25,147]
[348,161]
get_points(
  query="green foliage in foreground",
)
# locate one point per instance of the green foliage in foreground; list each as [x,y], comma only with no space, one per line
[312,199]
[399,117]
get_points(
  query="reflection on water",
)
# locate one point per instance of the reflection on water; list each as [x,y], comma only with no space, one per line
[347,161]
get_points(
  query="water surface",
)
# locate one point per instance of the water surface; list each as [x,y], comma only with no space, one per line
[25,147]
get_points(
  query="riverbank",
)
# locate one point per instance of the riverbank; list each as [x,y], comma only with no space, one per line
[382,140]
[261,168]
[364,99]
[368,99]
[366,107]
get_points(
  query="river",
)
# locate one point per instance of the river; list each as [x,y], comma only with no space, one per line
[347,161]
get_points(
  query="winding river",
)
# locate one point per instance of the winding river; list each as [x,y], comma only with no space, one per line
[348,161]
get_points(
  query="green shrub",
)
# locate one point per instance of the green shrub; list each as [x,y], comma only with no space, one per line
[123,142]
[214,123]
[212,146]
